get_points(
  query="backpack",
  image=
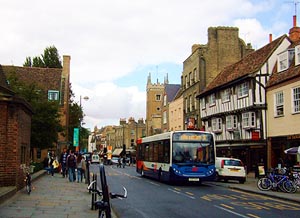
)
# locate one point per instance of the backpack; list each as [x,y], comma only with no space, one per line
[71,161]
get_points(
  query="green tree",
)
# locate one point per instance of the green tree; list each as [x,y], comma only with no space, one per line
[45,123]
[50,59]
[38,62]
[28,62]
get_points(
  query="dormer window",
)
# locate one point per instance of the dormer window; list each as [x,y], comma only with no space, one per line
[285,59]
[297,55]
[282,61]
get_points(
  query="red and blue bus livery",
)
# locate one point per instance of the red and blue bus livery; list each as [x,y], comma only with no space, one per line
[177,156]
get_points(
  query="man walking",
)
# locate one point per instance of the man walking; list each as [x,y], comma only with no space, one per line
[63,162]
[71,165]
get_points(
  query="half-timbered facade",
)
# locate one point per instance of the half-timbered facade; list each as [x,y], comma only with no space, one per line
[233,105]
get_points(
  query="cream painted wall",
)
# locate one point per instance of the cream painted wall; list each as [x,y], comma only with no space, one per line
[176,114]
[288,124]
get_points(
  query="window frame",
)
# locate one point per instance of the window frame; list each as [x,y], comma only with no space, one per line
[297,55]
[279,104]
[231,122]
[249,120]
[216,124]
[243,90]
[212,99]
[53,95]
[225,95]
[295,100]
[282,60]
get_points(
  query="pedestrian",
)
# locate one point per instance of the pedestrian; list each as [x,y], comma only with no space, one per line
[79,162]
[51,160]
[119,161]
[63,162]
[71,165]
[124,161]
[83,167]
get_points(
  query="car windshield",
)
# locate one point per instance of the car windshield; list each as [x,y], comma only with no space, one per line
[195,152]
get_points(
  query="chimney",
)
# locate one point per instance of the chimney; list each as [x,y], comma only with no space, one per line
[294,33]
[270,37]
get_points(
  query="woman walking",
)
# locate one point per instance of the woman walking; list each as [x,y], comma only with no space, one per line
[79,164]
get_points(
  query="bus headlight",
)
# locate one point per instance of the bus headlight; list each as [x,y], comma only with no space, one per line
[176,171]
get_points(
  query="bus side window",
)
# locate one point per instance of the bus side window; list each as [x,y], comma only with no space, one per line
[166,151]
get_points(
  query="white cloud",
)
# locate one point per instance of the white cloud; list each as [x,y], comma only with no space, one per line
[109,40]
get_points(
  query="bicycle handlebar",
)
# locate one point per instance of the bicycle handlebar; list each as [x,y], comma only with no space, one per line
[114,195]
[111,194]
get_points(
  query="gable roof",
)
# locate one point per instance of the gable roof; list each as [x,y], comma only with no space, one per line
[246,66]
[291,73]
[171,90]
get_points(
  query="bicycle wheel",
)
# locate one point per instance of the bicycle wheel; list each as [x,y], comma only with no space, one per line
[289,186]
[105,191]
[264,184]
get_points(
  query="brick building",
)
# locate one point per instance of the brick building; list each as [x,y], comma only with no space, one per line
[55,83]
[15,125]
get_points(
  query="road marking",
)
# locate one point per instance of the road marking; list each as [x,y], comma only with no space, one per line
[206,198]
[189,193]
[229,211]
[180,193]
[227,206]
[251,215]
[153,183]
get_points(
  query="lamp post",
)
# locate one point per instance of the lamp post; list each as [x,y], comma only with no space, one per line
[86,98]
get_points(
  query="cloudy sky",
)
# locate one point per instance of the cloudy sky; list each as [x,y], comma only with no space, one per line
[115,44]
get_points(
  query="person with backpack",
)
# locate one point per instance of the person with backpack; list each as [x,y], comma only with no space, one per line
[71,165]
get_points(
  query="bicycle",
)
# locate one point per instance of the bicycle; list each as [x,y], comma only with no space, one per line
[276,181]
[27,179]
[103,205]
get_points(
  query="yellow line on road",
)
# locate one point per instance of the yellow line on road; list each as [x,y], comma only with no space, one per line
[249,214]
[206,198]
[227,206]
[189,193]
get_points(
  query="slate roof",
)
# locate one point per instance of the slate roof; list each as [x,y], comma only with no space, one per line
[280,77]
[171,91]
[247,66]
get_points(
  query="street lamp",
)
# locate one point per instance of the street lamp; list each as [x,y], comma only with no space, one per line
[86,98]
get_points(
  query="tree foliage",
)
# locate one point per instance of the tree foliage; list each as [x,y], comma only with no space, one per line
[45,123]
[50,59]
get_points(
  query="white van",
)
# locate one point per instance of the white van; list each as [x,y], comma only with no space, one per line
[230,169]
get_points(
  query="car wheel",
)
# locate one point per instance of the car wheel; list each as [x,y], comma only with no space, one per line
[217,177]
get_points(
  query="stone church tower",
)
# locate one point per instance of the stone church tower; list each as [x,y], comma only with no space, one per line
[154,97]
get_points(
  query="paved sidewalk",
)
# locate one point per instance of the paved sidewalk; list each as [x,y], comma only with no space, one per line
[51,197]
[250,186]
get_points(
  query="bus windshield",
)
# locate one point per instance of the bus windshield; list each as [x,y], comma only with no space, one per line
[193,153]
